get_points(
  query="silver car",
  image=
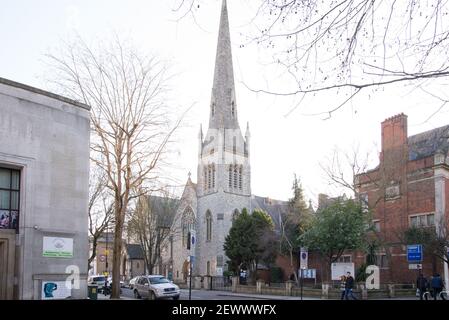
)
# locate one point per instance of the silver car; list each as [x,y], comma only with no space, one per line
[155,287]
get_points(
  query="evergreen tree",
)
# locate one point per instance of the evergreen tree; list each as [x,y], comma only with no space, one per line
[294,224]
[339,227]
[250,240]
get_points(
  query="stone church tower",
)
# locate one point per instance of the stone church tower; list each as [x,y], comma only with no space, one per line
[224,173]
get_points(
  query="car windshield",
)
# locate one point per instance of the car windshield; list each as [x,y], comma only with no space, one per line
[99,279]
[158,280]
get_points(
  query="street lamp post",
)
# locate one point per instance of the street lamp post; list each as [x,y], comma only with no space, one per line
[191,247]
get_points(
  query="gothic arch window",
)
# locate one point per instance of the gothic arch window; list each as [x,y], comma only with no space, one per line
[230,176]
[240,177]
[234,145]
[205,178]
[235,177]
[235,215]
[213,176]
[233,108]
[208,268]
[209,177]
[213,109]
[188,223]
[208,226]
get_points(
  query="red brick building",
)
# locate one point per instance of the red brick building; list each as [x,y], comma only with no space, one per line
[409,187]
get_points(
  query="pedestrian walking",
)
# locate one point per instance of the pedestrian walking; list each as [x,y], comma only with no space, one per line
[349,285]
[437,285]
[422,285]
[343,287]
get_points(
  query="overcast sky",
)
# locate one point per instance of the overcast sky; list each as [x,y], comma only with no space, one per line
[282,143]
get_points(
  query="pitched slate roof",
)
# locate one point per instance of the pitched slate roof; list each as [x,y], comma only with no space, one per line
[277,209]
[134,251]
[165,207]
[428,143]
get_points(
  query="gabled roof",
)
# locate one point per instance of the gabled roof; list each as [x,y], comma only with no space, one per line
[275,208]
[165,207]
[428,143]
[134,251]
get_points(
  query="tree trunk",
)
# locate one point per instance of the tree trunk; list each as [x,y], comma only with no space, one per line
[94,253]
[117,250]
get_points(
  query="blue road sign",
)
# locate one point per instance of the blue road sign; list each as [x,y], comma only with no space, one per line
[414,253]
[307,273]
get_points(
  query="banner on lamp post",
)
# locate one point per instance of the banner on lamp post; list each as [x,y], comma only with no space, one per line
[303,258]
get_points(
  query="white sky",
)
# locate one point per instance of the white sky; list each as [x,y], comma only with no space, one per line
[280,145]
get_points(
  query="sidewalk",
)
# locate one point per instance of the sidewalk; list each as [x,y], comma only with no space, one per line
[262,296]
[274,297]
[101,296]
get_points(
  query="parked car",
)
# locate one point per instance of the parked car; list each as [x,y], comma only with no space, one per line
[155,287]
[99,280]
[132,282]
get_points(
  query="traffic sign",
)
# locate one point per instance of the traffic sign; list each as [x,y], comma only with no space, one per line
[308,273]
[414,253]
[415,266]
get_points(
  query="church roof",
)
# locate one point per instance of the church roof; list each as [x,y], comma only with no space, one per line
[164,206]
[134,251]
[275,208]
[428,143]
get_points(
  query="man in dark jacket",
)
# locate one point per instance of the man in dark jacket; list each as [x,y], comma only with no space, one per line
[349,285]
[421,284]
[437,285]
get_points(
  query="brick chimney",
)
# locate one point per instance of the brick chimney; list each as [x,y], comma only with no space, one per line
[394,139]
[394,132]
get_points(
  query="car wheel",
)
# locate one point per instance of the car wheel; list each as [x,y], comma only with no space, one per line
[152,296]
[136,294]
[176,298]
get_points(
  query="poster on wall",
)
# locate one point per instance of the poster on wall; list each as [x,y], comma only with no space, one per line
[339,269]
[55,290]
[56,247]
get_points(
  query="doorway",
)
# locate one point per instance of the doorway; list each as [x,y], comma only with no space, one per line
[6,264]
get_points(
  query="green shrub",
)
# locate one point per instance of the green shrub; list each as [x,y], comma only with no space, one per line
[276,275]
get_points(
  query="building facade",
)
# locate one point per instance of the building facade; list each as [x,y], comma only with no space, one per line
[102,263]
[409,187]
[133,263]
[44,183]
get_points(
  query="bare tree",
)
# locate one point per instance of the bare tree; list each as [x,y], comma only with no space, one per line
[435,241]
[100,211]
[131,124]
[350,171]
[348,46]
[151,224]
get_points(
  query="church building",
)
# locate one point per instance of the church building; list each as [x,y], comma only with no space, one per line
[223,186]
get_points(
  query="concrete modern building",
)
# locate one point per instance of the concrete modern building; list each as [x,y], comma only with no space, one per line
[44,183]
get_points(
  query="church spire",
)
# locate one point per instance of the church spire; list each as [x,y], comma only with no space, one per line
[223,113]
